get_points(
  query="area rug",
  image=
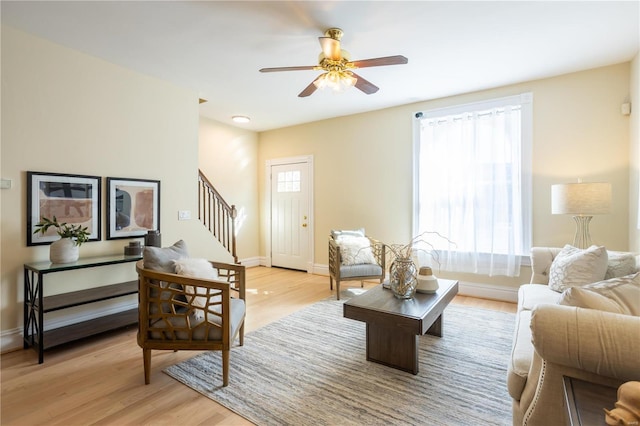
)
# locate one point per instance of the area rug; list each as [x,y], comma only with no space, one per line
[310,368]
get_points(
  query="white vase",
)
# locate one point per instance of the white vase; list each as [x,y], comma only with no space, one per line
[64,250]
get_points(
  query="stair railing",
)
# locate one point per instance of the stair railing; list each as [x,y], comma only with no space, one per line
[217,215]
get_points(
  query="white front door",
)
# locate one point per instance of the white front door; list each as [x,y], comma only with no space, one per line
[290,222]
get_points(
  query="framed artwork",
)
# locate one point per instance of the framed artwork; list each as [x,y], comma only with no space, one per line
[133,207]
[74,199]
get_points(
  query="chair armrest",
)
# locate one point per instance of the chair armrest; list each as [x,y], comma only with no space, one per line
[335,258]
[541,259]
[600,342]
[379,252]
[234,274]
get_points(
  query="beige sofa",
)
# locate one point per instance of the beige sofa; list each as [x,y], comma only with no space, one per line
[552,341]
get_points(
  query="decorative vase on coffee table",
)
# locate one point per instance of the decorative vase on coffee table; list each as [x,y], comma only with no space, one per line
[64,250]
[403,278]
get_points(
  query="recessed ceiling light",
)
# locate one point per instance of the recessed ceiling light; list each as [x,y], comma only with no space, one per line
[240,119]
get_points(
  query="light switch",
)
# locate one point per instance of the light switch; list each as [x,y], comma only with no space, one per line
[184,214]
[5,183]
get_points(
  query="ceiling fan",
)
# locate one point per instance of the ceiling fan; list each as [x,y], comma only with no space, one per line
[337,66]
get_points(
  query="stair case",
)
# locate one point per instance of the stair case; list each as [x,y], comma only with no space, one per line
[217,215]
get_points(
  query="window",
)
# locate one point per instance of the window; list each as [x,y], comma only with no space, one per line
[289,181]
[472,180]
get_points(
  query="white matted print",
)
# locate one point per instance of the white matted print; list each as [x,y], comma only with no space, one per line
[72,199]
[133,207]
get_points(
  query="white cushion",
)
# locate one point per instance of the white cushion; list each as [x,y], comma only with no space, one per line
[619,295]
[532,295]
[198,268]
[355,250]
[574,267]
[583,298]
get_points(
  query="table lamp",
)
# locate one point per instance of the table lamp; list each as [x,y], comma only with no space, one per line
[582,200]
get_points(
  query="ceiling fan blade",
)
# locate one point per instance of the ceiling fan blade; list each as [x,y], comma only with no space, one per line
[330,48]
[309,89]
[302,68]
[378,62]
[364,85]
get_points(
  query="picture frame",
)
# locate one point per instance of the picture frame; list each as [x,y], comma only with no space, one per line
[133,207]
[74,199]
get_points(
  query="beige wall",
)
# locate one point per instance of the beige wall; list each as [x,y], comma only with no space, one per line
[634,155]
[228,157]
[66,112]
[363,165]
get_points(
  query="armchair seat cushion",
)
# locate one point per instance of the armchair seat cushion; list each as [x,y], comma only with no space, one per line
[176,327]
[362,270]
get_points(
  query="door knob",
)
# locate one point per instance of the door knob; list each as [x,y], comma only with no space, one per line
[304,225]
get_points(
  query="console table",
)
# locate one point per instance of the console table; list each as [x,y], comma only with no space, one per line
[36,305]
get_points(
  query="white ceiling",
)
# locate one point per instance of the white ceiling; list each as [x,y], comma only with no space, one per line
[216,48]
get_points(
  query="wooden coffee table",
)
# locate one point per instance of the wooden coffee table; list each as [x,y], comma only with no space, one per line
[394,326]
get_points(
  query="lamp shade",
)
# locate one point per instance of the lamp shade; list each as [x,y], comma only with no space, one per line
[586,198]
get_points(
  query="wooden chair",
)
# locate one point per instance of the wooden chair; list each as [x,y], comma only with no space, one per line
[169,317]
[339,272]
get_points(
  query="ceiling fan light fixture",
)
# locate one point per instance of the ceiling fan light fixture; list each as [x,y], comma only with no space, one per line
[336,80]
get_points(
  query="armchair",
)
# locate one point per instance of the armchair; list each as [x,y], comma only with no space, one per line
[184,312]
[354,257]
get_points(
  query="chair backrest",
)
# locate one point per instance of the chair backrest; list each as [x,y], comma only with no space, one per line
[181,312]
[335,253]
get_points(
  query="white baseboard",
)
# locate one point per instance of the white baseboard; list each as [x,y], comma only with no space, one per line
[320,269]
[10,340]
[251,261]
[488,291]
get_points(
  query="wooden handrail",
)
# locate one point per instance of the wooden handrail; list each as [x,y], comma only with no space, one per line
[217,215]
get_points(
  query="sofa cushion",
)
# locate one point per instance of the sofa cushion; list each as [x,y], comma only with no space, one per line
[521,355]
[531,295]
[574,267]
[618,295]
[198,268]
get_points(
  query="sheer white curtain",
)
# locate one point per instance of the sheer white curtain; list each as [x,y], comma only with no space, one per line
[473,187]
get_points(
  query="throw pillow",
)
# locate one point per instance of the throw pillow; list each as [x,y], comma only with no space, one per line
[161,259]
[620,264]
[574,267]
[619,295]
[583,298]
[198,268]
[355,250]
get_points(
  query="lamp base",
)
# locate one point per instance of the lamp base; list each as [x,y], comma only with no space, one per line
[582,239]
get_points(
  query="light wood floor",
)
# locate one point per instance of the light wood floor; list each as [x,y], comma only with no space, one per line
[100,380]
